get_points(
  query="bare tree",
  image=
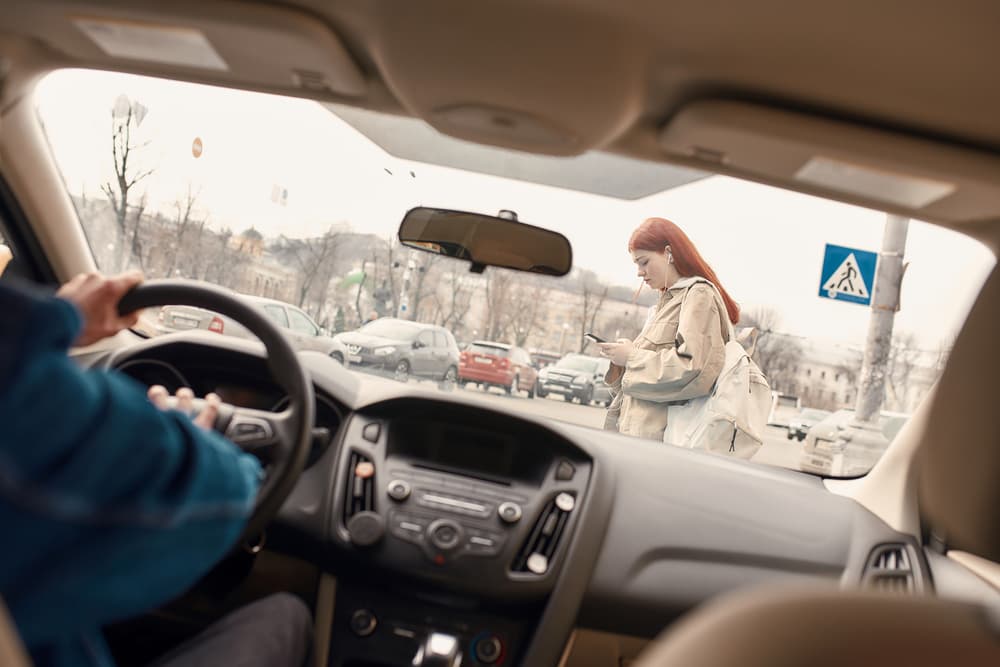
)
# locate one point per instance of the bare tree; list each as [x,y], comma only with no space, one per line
[422,287]
[312,259]
[499,284]
[125,119]
[776,354]
[455,304]
[185,221]
[594,294]
[903,358]
[527,303]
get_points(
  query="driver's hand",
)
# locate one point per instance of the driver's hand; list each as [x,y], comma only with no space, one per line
[159,396]
[96,297]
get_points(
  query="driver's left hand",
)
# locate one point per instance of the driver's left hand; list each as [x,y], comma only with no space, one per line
[96,297]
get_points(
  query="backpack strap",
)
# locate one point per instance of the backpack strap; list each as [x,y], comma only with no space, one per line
[728,332]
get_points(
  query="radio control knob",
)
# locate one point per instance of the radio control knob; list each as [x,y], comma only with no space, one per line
[444,534]
[509,512]
[398,490]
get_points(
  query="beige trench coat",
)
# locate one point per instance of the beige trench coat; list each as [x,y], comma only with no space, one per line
[677,357]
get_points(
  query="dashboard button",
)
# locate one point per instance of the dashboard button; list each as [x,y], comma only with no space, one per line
[371,432]
[565,471]
[363,622]
[398,490]
[509,512]
[487,649]
[538,563]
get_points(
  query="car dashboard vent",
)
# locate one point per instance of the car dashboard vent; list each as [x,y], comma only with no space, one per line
[359,494]
[890,570]
[535,555]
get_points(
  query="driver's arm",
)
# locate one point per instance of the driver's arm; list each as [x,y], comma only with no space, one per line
[109,506]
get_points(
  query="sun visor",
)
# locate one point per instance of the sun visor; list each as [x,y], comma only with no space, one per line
[870,167]
[216,42]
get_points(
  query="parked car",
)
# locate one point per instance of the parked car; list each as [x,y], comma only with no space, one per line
[830,449]
[799,425]
[576,376]
[543,358]
[498,365]
[403,348]
[302,331]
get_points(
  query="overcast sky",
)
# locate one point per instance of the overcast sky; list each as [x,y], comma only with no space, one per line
[765,244]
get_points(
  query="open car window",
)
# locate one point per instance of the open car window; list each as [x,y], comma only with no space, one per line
[290,200]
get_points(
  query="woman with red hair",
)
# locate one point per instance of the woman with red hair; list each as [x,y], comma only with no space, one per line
[662,377]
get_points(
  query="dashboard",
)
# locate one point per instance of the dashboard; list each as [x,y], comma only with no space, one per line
[440,515]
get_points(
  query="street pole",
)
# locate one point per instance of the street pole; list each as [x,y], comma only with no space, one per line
[863,430]
[885,303]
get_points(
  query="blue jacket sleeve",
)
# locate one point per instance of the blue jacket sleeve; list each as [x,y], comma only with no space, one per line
[112,506]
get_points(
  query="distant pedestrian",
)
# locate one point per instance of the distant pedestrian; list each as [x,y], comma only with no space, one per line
[660,379]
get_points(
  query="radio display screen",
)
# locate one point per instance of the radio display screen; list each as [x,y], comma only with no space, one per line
[467,450]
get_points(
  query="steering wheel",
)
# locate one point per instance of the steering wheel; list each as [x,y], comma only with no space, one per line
[281,439]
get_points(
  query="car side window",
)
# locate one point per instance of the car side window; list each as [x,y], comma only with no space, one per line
[426,339]
[302,323]
[440,340]
[277,313]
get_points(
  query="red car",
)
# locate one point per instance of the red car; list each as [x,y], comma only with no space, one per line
[498,365]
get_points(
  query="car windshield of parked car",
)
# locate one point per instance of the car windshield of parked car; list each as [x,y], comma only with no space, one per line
[300,202]
[394,330]
[578,364]
[814,415]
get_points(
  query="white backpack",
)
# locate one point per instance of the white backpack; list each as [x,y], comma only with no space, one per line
[732,419]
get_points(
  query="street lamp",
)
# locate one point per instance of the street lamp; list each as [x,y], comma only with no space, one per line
[562,337]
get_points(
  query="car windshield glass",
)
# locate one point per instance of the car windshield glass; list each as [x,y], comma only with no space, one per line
[300,203]
[391,329]
[578,364]
[814,414]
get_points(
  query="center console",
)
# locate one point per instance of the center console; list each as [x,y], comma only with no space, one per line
[464,528]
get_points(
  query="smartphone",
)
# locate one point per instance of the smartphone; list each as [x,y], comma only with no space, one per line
[595,338]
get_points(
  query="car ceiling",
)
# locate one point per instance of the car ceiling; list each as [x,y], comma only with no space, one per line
[897,87]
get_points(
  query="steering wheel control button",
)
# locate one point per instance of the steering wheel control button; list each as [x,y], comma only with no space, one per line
[371,432]
[249,430]
[509,512]
[565,471]
[565,502]
[487,649]
[366,528]
[363,622]
[444,535]
[538,563]
[398,490]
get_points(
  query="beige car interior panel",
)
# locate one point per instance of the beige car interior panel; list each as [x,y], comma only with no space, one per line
[875,168]
[326,598]
[593,648]
[889,490]
[986,570]
[823,628]
[959,496]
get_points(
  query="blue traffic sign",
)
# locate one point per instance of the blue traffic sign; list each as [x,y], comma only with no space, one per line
[848,274]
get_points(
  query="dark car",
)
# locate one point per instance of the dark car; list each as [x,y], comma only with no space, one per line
[576,376]
[498,365]
[799,425]
[403,348]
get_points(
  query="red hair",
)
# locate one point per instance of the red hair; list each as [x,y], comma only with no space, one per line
[655,234]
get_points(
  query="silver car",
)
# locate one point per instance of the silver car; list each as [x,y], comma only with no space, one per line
[300,329]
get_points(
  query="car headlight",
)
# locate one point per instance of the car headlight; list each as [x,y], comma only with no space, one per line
[580,380]
[384,351]
[543,374]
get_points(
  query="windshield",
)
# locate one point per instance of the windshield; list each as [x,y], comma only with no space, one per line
[300,202]
[814,415]
[394,330]
[485,348]
[578,364]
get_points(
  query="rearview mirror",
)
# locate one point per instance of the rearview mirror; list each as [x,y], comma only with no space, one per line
[486,240]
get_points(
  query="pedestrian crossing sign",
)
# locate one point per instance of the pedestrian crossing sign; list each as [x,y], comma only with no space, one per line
[848,274]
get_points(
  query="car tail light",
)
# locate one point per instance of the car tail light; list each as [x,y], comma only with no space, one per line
[216,325]
[504,364]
